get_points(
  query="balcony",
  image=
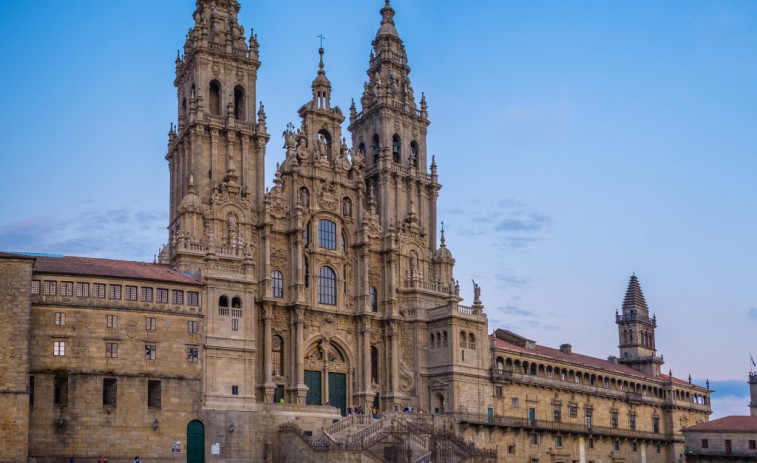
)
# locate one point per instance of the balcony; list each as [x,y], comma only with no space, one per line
[635,318]
[501,376]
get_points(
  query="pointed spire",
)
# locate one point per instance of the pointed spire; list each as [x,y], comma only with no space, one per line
[321,84]
[191,184]
[634,300]
[387,21]
[442,240]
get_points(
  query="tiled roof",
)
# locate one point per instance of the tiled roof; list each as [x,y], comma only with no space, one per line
[89,266]
[634,301]
[733,423]
[593,362]
[9,255]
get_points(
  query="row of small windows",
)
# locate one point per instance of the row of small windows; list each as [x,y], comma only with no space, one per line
[467,340]
[110,392]
[236,306]
[438,339]
[111,351]
[646,338]
[114,291]
[214,100]
[534,439]
[396,150]
[327,287]
[111,321]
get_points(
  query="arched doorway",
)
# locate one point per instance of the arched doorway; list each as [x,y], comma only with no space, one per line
[195,442]
[437,403]
[326,375]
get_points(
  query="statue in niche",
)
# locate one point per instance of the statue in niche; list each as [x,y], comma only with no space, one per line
[304,197]
[413,264]
[322,147]
[347,207]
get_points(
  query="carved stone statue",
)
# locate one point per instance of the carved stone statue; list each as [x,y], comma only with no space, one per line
[476,293]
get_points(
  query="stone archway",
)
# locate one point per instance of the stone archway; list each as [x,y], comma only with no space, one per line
[326,375]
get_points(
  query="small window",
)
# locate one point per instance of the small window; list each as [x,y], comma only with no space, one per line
[326,286]
[277,284]
[234,390]
[277,355]
[114,292]
[556,413]
[31,391]
[35,286]
[705,444]
[632,422]
[111,350]
[752,444]
[589,413]
[193,298]
[111,321]
[110,392]
[573,410]
[658,448]
[153,394]
[374,298]
[82,289]
[131,293]
[326,234]
[98,290]
[616,445]
[150,323]
[146,294]
[51,288]
[60,390]
[534,439]
[151,352]
[614,420]
[192,354]
[66,288]
[498,391]
[234,324]
[60,318]
[511,449]
[515,402]
[591,443]
[656,424]
[161,296]
[558,441]
[177,297]
[192,326]
[634,448]
[59,348]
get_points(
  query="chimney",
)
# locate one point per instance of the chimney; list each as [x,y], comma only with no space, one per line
[566,348]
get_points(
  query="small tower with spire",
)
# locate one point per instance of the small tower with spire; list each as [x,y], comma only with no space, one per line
[636,332]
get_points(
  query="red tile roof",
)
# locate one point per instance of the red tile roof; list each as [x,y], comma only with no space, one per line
[89,266]
[733,423]
[10,255]
[585,360]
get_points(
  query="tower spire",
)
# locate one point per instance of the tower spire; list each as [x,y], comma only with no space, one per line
[636,331]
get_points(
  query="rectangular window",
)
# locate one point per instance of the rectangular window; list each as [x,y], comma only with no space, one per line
[31,391]
[752,444]
[59,348]
[151,351]
[234,390]
[573,410]
[705,444]
[161,296]
[515,402]
[511,449]
[111,321]
[111,350]
[192,354]
[50,288]
[153,394]
[614,420]
[193,298]
[632,422]
[66,288]
[326,234]
[658,448]
[177,297]
[60,390]
[35,286]
[588,417]
[150,323]
[234,324]
[114,292]
[656,425]
[556,413]
[634,448]
[82,289]
[146,295]
[534,439]
[591,443]
[110,392]
[60,318]
[616,445]
[192,327]
[131,293]
[498,391]
[98,290]
[558,441]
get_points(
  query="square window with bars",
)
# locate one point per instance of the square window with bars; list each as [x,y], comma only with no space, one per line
[111,350]
[151,351]
[177,297]
[60,318]
[150,323]
[193,298]
[98,290]
[51,288]
[59,348]
[82,289]
[131,293]
[161,296]
[66,288]
[515,402]
[146,295]
[192,327]
[114,292]
[111,321]
[35,286]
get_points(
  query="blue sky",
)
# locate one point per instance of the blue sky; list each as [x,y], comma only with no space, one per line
[577,142]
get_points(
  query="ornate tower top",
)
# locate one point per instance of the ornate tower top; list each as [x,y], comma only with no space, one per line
[634,302]
[636,332]
[387,21]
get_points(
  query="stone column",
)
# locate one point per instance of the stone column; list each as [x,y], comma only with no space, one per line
[394,355]
[365,331]
[213,155]
[268,385]
[299,321]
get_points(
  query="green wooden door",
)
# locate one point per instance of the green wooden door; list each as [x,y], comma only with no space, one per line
[195,442]
[338,391]
[313,382]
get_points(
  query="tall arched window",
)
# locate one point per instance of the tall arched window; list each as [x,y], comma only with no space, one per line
[326,286]
[306,235]
[326,234]
[374,365]
[396,154]
[214,98]
[463,340]
[239,102]
[361,149]
[277,284]
[223,305]
[376,148]
[431,341]
[374,298]
[307,272]
[414,153]
[277,357]
[471,341]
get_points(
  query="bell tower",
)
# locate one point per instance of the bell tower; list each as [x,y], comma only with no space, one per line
[636,332]
[216,151]
[390,134]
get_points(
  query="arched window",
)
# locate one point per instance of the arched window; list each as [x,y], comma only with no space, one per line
[344,243]
[326,286]
[471,341]
[214,98]
[374,365]
[277,284]
[361,149]
[431,341]
[236,303]
[277,360]
[326,234]
[374,298]
[444,338]
[223,305]
[307,272]
[463,340]
[376,149]
[239,102]
[414,153]
[396,154]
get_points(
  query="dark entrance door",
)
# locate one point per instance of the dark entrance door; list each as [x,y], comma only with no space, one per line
[338,391]
[313,382]
[195,442]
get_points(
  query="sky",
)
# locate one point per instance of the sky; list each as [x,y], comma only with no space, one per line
[577,143]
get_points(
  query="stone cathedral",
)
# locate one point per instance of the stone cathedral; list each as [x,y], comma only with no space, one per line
[318,320]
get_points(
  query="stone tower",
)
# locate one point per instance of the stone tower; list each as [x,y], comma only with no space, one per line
[636,332]
[216,162]
[753,393]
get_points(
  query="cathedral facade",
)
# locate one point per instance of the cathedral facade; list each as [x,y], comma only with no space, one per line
[273,316]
